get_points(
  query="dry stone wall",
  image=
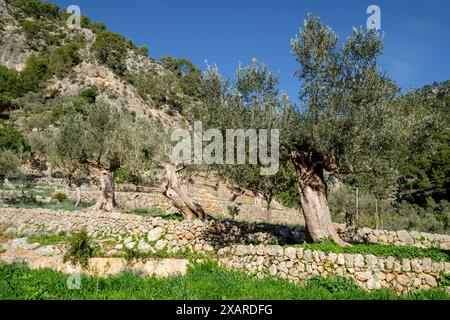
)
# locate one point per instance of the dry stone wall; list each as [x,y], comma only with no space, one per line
[253,248]
[369,271]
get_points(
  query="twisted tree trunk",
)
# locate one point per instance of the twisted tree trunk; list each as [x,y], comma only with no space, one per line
[49,171]
[309,166]
[175,189]
[106,200]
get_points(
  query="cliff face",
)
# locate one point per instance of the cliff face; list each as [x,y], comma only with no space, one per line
[13,49]
[24,33]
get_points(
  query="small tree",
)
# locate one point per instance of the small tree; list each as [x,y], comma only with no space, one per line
[103,142]
[110,49]
[13,151]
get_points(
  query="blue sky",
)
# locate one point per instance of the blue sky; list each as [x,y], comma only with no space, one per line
[226,33]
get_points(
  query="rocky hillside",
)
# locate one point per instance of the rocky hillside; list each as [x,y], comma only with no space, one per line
[54,65]
[31,28]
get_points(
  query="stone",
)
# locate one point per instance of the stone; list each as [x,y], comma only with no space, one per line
[332,257]
[363,276]
[198,247]
[291,253]
[307,255]
[389,263]
[417,283]
[389,277]
[274,250]
[406,265]
[273,270]
[46,251]
[431,281]
[130,245]
[416,266]
[402,279]
[405,237]
[160,245]
[208,248]
[359,261]
[143,246]
[260,250]
[372,284]
[372,239]
[241,250]
[155,234]
[340,259]
[349,259]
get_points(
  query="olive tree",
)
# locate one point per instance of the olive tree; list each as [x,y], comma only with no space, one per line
[351,120]
[102,142]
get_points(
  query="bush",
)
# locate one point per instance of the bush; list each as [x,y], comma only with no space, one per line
[12,139]
[65,58]
[38,9]
[96,27]
[60,196]
[89,94]
[35,74]
[32,29]
[110,49]
[80,249]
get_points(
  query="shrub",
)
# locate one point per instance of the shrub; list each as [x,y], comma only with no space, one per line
[65,58]
[38,9]
[12,139]
[35,74]
[31,29]
[233,211]
[89,94]
[96,27]
[110,49]
[143,50]
[80,249]
[60,196]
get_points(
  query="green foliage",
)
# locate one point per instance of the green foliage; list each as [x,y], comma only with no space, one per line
[89,94]
[37,9]
[153,212]
[65,58]
[392,215]
[399,252]
[143,50]
[202,282]
[110,49]
[9,87]
[35,74]
[80,249]
[96,27]
[60,196]
[48,239]
[188,74]
[233,211]
[11,138]
[32,29]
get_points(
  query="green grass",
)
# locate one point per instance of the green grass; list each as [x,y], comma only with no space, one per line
[48,239]
[153,212]
[206,281]
[66,205]
[399,252]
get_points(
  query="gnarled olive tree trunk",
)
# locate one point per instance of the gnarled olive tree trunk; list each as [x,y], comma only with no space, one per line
[309,166]
[106,201]
[175,189]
